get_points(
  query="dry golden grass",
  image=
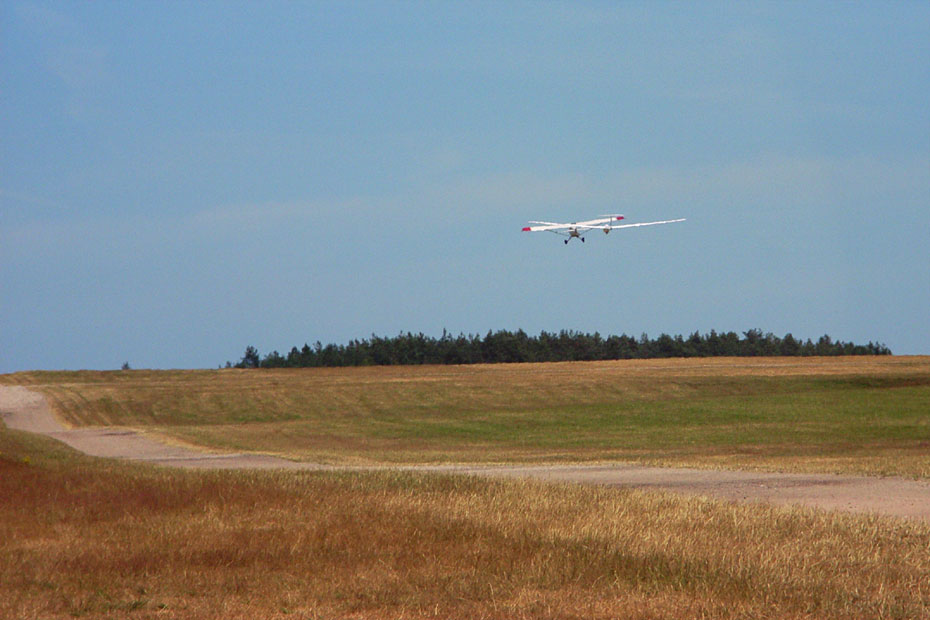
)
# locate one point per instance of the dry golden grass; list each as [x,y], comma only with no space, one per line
[81,537]
[866,415]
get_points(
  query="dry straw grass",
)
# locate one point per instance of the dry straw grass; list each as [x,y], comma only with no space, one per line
[89,538]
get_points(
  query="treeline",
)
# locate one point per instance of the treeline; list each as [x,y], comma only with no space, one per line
[512,347]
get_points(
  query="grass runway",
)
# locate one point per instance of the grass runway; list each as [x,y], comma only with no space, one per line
[853,415]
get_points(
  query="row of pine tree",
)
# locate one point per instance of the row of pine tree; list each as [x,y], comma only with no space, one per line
[511,347]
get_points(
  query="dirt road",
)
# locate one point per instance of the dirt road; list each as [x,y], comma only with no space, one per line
[25,410]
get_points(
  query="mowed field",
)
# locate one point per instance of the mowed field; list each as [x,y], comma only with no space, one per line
[865,415]
[86,537]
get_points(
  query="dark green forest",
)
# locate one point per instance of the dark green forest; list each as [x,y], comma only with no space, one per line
[514,347]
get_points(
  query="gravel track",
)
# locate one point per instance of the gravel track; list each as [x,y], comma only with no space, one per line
[25,410]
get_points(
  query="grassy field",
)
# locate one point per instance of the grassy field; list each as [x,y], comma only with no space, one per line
[95,538]
[867,415]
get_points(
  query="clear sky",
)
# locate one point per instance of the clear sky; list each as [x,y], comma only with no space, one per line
[181,179]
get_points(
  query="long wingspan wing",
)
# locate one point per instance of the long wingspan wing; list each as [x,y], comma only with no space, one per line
[550,224]
[648,223]
[546,226]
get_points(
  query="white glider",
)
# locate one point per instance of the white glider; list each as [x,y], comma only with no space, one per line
[579,229]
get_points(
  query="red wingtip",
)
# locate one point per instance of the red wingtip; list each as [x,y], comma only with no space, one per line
[525,229]
[619,217]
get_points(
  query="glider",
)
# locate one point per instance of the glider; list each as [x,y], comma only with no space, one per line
[579,229]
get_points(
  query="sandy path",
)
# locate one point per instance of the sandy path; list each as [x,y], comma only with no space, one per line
[25,410]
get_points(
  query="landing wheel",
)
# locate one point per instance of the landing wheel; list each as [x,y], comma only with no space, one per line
[566,242]
[582,239]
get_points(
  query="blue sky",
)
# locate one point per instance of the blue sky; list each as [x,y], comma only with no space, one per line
[180,180]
